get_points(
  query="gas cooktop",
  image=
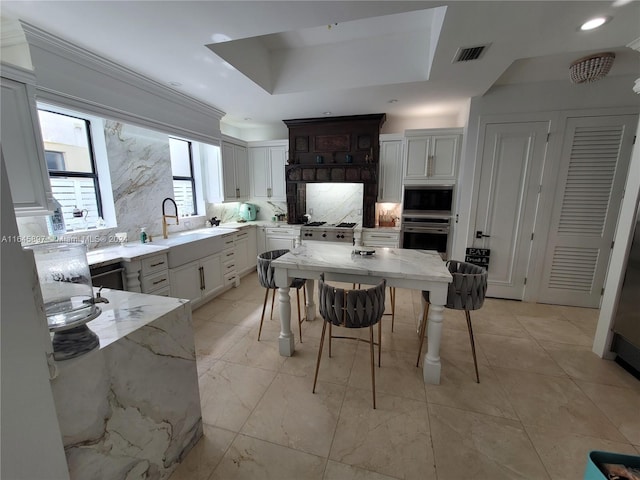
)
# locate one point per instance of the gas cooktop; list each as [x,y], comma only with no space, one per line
[325,232]
[330,225]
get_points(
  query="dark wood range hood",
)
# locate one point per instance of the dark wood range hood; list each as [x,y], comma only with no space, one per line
[337,150]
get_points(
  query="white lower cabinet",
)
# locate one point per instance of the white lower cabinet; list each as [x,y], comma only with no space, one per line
[197,280]
[246,250]
[154,275]
[377,238]
[281,238]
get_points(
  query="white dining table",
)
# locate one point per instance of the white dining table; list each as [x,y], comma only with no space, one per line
[402,268]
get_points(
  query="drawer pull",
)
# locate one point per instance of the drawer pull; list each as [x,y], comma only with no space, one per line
[230,254]
[156,264]
[160,281]
[233,265]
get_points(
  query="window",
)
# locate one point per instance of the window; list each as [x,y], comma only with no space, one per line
[184,191]
[72,168]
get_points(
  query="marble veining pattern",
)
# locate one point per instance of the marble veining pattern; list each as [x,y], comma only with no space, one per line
[140,167]
[385,262]
[131,409]
[335,202]
[126,312]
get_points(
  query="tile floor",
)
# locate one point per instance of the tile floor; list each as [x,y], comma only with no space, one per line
[544,401]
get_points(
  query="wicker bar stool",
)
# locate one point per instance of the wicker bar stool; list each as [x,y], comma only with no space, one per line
[267,280]
[466,292]
[351,309]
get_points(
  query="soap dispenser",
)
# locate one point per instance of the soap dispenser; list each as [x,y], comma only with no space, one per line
[143,235]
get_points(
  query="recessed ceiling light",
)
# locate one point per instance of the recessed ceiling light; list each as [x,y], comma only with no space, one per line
[326,113]
[248,118]
[393,100]
[594,23]
[175,84]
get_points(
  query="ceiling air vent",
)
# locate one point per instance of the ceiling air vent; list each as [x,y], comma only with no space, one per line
[469,53]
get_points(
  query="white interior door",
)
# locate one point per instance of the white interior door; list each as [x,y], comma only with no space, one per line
[512,160]
[593,168]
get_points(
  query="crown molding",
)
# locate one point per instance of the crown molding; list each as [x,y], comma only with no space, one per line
[58,46]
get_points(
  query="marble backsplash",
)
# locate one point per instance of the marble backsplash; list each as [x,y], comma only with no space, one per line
[141,178]
[335,202]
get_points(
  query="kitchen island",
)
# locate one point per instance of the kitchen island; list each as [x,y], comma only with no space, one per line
[131,408]
[403,268]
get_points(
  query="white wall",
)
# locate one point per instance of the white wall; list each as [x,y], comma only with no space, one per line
[528,102]
[30,437]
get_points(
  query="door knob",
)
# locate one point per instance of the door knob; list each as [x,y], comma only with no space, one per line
[479,234]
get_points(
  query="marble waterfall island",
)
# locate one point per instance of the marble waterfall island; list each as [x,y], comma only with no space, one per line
[130,409]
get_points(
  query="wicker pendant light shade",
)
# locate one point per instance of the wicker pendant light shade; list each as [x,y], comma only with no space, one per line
[591,68]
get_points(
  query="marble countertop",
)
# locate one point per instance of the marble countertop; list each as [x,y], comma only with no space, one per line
[382,229]
[136,251]
[108,255]
[127,312]
[385,262]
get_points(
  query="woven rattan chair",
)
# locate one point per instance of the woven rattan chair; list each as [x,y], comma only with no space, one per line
[351,309]
[265,276]
[466,292]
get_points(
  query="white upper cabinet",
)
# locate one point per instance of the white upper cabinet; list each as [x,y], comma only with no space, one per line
[267,161]
[390,178]
[22,146]
[432,156]
[235,172]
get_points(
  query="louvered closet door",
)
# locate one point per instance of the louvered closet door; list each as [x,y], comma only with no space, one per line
[594,163]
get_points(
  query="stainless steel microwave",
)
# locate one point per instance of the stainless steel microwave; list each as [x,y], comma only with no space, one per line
[431,199]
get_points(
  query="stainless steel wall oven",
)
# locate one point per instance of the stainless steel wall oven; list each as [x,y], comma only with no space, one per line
[426,217]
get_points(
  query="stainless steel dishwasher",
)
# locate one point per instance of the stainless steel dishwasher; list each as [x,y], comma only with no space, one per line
[108,276]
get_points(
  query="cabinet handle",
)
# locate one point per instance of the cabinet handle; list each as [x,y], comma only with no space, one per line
[237,193]
[201,269]
[230,254]
[156,264]
[233,265]
[160,281]
[242,234]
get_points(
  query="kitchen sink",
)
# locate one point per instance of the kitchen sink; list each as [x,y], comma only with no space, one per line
[188,247]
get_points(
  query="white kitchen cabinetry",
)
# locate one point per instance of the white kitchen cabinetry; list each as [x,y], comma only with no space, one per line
[280,238]
[235,172]
[197,280]
[380,238]
[267,161]
[154,275]
[22,146]
[390,182]
[432,156]
[229,261]
[246,250]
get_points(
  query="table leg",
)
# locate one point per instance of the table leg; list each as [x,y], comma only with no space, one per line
[311,306]
[431,365]
[285,341]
